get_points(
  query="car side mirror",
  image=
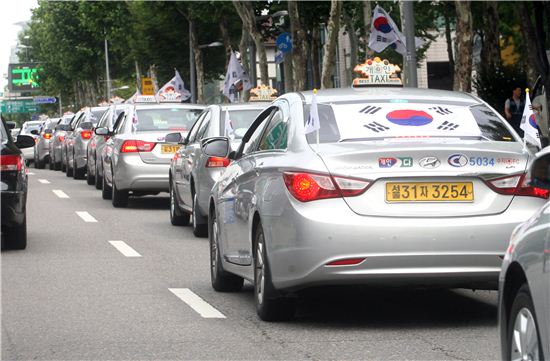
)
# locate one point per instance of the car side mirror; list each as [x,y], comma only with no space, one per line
[215,147]
[102,131]
[86,125]
[34,132]
[173,138]
[24,141]
[539,173]
[10,125]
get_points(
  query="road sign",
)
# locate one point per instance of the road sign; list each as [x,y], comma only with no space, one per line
[279,57]
[147,87]
[45,100]
[284,42]
[24,77]
[18,106]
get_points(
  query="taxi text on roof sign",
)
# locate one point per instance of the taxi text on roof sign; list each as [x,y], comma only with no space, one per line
[166,97]
[377,72]
[263,93]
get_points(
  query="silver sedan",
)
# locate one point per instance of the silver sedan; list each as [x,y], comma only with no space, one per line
[42,145]
[136,158]
[192,174]
[398,186]
[524,297]
[58,139]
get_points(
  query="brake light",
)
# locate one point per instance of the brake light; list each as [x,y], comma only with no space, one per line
[217,162]
[307,187]
[86,134]
[11,162]
[517,185]
[60,138]
[176,156]
[131,146]
[47,135]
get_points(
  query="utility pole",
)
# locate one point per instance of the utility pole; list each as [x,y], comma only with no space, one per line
[411,78]
[192,74]
[60,106]
[138,76]
[107,69]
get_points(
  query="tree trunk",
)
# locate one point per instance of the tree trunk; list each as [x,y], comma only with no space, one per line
[226,38]
[448,7]
[199,69]
[315,66]
[246,13]
[464,42]
[243,49]
[367,16]
[298,56]
[289,74]
[490,53]
[329,58]
[353,40]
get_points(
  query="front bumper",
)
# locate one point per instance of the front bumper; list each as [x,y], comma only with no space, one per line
[303,238]
[131,173]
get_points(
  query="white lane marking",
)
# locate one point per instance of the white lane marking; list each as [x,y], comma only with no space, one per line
[60,193]
[86,217]
[123,248]
[44,181]
[30,173]
[195,302]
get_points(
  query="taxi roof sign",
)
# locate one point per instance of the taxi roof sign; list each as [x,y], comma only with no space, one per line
[377,72]
[145,99]
[263,93]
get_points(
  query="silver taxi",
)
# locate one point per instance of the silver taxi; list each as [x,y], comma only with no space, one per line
[42,145]
[58,139]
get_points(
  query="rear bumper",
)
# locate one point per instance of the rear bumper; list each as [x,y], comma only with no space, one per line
[13,208]
[80,153]
[451,252]
[131,173]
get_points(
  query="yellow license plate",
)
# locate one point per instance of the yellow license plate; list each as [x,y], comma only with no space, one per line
[169,148]
[430,192]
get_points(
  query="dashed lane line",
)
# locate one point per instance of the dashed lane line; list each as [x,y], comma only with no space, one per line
[86,217]
[60,193]
[202,307]
[123,248]
[44,181]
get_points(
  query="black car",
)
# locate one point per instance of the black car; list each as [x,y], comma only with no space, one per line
[13,174]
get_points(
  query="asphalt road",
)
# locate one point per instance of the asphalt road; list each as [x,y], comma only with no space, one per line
[72,295]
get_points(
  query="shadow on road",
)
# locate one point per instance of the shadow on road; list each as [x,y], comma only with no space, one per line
[149,202]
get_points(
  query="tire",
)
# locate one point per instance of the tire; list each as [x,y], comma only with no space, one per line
[523,314]
[199,229]
[57,166]
[270,306]
[16,236]
[69,172]
[119,198]
[78,173]
[222,281]
[90,179]
[97,178]
[178,217]
[63,164]
[106,191]
[50,164]
[39,164]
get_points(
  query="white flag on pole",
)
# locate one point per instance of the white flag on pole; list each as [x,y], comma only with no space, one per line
[135,120]
[229,131]
[384,32]
[313,123]
[529,123]
[176,84]
[235,72]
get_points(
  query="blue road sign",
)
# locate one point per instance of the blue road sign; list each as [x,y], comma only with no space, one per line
[284,42]
[44,100]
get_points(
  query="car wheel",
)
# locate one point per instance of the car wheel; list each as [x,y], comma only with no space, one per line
[106,191]
[90,179]
[523,336]
[78,173]
[69,172]
[16,236]
[98,179]
[39,164]
[51,164]
[178,217]
[120,198]
[199,229]
[270,306]
[222,281]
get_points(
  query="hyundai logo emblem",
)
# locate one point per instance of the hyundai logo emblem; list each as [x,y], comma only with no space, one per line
[429,162]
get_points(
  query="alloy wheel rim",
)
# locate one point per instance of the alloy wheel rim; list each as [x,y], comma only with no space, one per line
[194,212]
[525,344]
[260,269]
[214,248]
[172,205]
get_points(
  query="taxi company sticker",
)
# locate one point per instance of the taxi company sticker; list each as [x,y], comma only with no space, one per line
[460,160]
[406,162]
[388,162]
[457,160]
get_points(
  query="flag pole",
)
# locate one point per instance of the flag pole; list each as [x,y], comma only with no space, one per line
[315,93]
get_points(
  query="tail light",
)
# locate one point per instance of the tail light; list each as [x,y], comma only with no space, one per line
[132,146]
[517,185]
[86,134]
[47,135]
[307,187]
[176,156]
[60,138]
[217,162]
[11,162]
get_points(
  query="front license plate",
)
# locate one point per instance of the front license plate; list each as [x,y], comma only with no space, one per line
[430,192]
[169,148]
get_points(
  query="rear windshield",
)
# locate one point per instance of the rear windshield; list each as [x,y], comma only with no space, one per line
[172,119]
[386,119]
[27,128]
[240,120]
[96,115]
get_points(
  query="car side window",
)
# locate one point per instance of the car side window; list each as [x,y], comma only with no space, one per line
[119,123]
[103,121]
[252,144]
[204,126]
[275,136]
[195,128]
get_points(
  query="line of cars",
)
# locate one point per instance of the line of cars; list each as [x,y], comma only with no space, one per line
[396,187]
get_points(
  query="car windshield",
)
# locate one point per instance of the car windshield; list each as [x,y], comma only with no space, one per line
[170,119]
[344,122]
[28,128]
[240,120]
